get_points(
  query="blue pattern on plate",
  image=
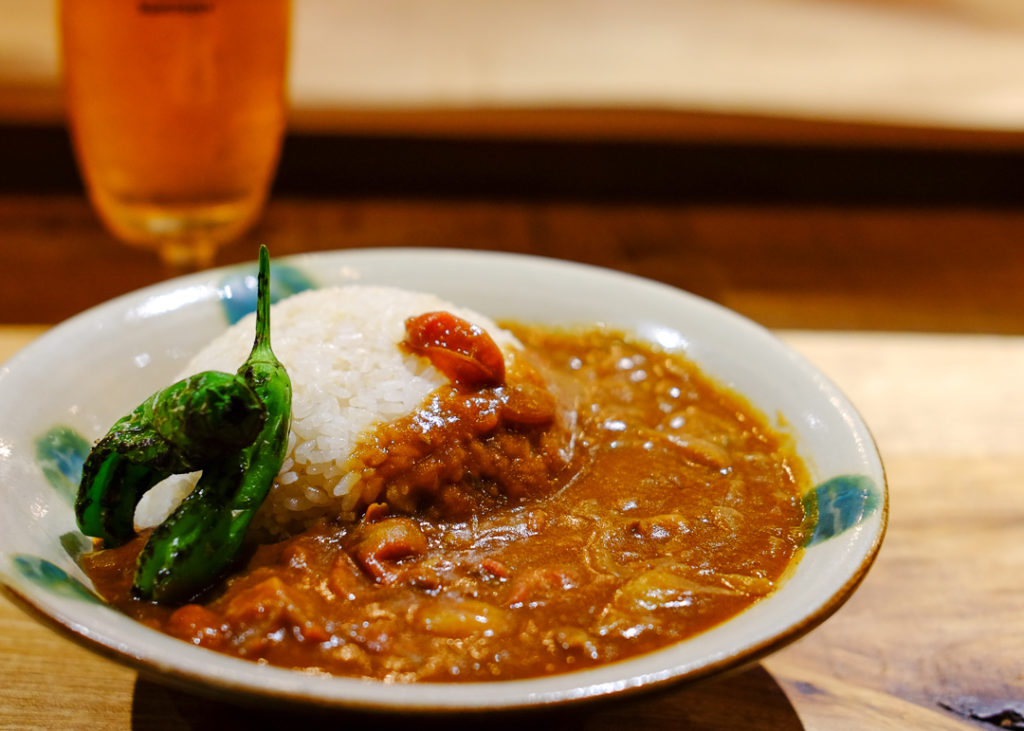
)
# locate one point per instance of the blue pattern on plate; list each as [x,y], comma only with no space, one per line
[60,453]
[51,577]
[842,503]
[75,545]
[239,288]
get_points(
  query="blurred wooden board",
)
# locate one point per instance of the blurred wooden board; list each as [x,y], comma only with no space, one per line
[838,70]
[945,269]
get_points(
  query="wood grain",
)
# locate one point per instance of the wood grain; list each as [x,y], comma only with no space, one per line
[943,595]
[818,267]
[955,269]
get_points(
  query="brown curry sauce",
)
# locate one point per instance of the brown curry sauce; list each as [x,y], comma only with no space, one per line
[606,501]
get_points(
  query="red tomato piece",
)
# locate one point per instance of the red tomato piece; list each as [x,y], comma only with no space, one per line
[464,352]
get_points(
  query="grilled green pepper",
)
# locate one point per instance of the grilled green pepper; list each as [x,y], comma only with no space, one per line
[193,547]
[181,428]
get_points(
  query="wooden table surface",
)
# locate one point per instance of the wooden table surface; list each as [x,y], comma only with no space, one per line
[898,272]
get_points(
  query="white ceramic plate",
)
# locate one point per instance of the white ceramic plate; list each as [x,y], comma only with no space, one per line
[68,387]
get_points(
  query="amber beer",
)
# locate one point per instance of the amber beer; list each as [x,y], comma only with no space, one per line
[177,109]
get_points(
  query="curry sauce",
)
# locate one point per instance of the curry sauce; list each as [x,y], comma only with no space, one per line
[606,501]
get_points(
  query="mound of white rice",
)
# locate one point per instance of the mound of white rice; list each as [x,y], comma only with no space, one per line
[349,374]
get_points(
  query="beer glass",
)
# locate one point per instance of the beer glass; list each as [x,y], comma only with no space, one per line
[176,110]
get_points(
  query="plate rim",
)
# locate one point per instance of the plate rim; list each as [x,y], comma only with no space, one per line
[29,600]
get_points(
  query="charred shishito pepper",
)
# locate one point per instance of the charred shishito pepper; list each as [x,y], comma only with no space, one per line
[464,352]
[193,547]
[233,427]
[182,428]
